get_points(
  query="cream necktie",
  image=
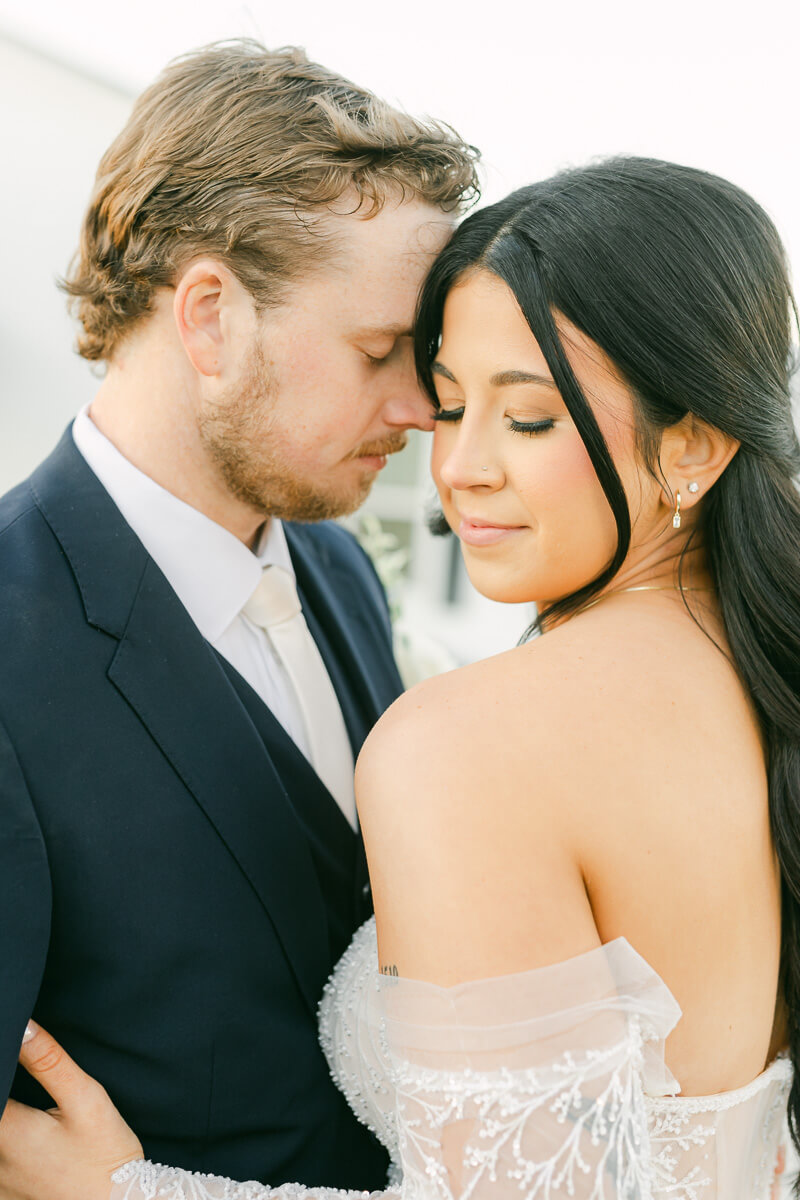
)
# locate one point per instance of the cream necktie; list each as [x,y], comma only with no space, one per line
[275,607]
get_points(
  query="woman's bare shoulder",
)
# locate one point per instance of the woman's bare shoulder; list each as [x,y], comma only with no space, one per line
[452,804]
[520,727]
[448,722]
[600,703]
[558,781]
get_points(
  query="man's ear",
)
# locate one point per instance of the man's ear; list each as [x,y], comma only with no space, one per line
[204,293]
[693,453]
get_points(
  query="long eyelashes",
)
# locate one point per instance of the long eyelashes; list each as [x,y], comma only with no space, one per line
[448,414]
[530,428]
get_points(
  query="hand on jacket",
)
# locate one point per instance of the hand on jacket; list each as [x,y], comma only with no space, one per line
[68,1152]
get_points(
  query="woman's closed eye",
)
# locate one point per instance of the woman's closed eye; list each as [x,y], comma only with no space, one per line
[448,414]
[530,428]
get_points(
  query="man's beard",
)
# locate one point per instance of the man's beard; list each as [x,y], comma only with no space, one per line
[239,436]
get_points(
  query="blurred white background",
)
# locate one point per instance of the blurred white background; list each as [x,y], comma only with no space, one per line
[535,86]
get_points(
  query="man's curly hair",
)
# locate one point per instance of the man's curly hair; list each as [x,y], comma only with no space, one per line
[235,151]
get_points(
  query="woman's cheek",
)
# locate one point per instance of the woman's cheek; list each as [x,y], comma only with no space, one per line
[576,531]
[558,479]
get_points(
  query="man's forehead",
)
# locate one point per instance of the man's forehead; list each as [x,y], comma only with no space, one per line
[384,240]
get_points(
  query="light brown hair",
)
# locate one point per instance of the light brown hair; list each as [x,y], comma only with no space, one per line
[234,151]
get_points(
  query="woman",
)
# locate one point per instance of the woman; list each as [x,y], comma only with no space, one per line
[590,845]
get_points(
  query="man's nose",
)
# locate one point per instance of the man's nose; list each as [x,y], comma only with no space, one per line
[407,406]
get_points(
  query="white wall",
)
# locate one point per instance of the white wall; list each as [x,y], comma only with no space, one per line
[535,84]
[54,125]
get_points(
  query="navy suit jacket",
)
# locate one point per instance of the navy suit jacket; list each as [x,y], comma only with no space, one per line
[176,883]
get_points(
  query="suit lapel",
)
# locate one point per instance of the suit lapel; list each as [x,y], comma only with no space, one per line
[171,678]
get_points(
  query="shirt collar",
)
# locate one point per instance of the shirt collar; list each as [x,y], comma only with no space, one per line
[212,573]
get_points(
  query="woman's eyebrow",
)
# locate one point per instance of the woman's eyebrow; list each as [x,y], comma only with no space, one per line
[506,378]
[501,379]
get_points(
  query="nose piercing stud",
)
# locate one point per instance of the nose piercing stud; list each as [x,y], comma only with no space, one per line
[484,468]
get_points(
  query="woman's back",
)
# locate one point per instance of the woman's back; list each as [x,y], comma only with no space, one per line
[604,781]
[679,858]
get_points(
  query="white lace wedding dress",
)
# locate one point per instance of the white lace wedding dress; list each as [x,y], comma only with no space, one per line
[538,1086]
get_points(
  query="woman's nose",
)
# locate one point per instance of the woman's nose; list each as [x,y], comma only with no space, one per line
[470,464]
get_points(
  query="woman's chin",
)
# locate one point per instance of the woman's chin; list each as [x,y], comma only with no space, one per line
[499,590]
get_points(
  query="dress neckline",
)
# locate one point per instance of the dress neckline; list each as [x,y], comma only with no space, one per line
[778,1071]
[627,965]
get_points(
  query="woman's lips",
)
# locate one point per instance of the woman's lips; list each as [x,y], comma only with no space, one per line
[482,533]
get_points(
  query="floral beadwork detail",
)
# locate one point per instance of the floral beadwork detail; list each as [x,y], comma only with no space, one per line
[548,1085]
[141,1180]
[590,1109]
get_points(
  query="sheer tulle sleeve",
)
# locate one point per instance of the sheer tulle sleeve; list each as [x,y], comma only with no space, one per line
[529,1086]
[546,1085]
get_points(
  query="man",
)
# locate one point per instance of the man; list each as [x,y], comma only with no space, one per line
[188,672]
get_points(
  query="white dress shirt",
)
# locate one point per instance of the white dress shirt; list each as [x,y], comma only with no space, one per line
[210,570]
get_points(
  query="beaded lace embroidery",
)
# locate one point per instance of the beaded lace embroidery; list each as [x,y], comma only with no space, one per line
[579,1123]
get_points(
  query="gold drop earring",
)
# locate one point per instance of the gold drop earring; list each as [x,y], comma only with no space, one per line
[676,519]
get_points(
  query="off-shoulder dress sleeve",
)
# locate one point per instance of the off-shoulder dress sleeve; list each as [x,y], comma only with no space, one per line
[524,1087]
[529,1086]
[545,1085]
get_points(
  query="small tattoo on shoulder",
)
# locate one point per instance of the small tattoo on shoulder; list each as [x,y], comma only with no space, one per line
[389,969]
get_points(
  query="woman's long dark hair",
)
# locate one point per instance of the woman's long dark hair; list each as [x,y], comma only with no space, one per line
[681,278]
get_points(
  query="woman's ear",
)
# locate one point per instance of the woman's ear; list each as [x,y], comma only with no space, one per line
[693,456]
[205,295]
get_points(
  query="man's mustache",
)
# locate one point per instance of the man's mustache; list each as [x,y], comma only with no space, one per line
[392,444]
[434,517]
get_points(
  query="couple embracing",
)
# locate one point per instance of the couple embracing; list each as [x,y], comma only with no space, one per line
[582,977]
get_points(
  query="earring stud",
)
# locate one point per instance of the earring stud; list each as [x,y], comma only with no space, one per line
[694,487]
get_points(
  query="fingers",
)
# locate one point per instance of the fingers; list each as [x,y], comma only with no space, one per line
[52,1067]
[10,1119]
[16,1119]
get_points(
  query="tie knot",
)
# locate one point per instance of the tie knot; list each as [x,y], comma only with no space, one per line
[275,600]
